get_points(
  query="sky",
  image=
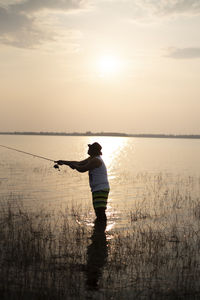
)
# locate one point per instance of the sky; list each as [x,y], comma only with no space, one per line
[101,66]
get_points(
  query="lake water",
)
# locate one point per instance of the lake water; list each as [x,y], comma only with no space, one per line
[138,169]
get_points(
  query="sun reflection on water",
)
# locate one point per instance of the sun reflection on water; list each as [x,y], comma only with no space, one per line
[111,149]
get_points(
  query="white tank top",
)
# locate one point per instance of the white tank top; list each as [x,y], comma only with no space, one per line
[98,177]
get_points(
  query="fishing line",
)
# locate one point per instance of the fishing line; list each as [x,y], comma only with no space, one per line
[28,153]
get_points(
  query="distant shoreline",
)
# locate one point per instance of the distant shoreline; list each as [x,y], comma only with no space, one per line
[112,134]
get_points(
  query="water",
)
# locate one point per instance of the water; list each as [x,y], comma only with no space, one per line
[137,169]
[150,246]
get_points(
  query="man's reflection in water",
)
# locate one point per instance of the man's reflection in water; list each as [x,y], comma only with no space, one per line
[97,253]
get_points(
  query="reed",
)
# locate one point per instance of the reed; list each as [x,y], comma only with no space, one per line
[58,256]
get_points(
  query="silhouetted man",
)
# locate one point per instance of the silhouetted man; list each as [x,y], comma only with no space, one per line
[98,178]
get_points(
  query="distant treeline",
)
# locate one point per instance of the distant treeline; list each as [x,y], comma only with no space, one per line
[89,133]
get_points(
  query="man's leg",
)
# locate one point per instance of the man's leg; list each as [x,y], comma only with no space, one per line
[100,213]
[100,203]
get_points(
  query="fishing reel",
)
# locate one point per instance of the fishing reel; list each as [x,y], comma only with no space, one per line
[56,166]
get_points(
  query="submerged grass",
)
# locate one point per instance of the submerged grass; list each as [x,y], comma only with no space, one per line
[58,256]
[41,254]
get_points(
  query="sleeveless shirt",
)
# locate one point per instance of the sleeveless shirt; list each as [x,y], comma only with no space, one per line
[98,177]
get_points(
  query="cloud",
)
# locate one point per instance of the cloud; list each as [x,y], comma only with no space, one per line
[150,11]
[184,53]
[10,21]
[145,12]
[170,7]
[37,5]
[29,23]
[21,30]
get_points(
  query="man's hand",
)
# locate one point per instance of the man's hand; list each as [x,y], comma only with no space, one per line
[67,163]
[59,162]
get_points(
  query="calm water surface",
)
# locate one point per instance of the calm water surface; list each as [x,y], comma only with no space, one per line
[136,168]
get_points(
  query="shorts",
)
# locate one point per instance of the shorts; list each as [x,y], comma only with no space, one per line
[100,198]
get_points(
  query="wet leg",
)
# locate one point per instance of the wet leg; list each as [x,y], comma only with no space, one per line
[100,213]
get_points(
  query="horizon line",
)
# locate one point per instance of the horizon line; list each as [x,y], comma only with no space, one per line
[89,133]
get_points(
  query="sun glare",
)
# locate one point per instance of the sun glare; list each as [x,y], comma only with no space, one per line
[111,148]
[108,65]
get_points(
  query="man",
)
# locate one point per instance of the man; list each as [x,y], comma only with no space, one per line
[98,178]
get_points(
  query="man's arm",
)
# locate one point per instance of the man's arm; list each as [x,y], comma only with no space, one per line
[70,162]
[91,164]
[83,162]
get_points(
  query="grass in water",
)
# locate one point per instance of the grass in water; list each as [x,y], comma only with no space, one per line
[58,256]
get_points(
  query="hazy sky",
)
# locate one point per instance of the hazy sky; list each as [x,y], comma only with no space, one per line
[115,65]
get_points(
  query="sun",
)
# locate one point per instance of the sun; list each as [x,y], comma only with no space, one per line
[108,65]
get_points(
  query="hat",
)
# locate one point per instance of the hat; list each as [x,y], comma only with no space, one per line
[95,146]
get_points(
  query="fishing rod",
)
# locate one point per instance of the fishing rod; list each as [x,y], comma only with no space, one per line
[56,166]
